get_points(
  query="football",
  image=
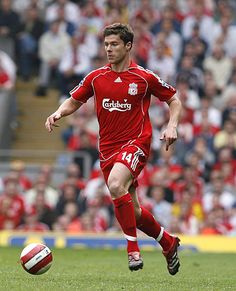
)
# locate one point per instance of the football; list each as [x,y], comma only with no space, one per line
[36,258]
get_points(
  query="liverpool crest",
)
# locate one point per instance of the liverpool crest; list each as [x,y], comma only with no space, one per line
[133,89]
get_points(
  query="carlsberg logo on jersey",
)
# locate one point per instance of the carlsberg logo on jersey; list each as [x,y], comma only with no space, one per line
[112,105]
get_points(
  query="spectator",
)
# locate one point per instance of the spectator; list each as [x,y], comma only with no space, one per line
[186,135]
[116,11]
[9,28]
[147,13]
[188,71]
[46,214]
[171,13]
[161,209]
[7,72]
[93,185]
[12,205]
[206,131]
[46,170]
[73,172]
[74,65]
[199,46]
[173,38]
[211,112]
[189,212]
[74,223]
[32,29]
[188,96]
[21,6]
[220,65]
[229,114]
[32,223]
[18,167]
[224,33]
[229,91]
[166,171]
[89,40]
[229,109]
[211,92]
[200,156]
[205,22]
[217,194]
[215,223]
[226,136]
[70,194]
[144,41]
[190,181]
[79,127]
[7,83]
[161,64]
[42,184]
[52,46]
[64,24]
[72,11]
[193,160]
[100,210]
[61,223]
[92,16]
[226,163]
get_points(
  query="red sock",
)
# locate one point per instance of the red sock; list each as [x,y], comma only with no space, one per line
[152,228]
[124,211]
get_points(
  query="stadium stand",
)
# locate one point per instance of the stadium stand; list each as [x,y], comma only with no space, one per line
[194,182]
[6,119]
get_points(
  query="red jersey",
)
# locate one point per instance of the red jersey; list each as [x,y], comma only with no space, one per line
[11,210]
[122,101]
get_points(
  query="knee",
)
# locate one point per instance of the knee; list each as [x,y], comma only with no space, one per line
[116,188]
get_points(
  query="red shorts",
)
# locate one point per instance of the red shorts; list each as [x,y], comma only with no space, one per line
[131,156]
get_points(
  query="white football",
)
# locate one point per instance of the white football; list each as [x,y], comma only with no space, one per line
[36,258]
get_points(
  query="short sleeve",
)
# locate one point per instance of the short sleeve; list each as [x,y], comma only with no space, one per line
[84,90]
[160,88]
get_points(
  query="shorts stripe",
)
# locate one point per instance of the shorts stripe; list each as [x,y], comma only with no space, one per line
[136,159]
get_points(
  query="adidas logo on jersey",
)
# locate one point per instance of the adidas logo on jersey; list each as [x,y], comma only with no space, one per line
[118,80]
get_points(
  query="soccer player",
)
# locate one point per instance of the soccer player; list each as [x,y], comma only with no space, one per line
[122,92]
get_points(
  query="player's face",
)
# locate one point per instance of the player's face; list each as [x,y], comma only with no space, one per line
[115,48]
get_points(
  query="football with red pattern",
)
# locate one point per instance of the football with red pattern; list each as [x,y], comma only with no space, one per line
[36,258]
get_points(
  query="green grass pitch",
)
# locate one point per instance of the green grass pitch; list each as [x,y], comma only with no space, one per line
[90,269]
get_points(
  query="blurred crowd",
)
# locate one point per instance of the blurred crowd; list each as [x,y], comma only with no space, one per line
[191,188]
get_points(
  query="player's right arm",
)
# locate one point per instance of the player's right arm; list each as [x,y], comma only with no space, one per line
[69,106]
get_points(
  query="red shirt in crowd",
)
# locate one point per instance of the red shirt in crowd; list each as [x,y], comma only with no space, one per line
[11,211]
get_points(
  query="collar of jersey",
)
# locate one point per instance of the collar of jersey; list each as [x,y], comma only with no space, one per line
[132,65]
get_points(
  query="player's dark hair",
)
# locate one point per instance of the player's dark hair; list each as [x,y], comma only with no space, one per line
[123,30]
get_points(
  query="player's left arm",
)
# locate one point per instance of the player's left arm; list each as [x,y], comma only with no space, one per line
[169,135]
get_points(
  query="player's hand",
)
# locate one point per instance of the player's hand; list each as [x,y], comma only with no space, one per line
[51,121]
[169,135]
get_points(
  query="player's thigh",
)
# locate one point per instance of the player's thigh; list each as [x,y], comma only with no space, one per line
[134,159]
[120,179]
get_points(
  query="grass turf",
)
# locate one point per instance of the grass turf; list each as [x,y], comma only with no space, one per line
[75,269]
